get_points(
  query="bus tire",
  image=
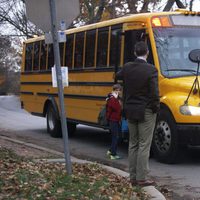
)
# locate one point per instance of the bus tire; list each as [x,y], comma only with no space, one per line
[71,127]
[165,140]
[53,123]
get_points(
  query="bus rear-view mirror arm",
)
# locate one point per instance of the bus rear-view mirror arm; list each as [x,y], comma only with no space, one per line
[194,56]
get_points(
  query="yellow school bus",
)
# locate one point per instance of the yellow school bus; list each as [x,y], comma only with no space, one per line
[93,53]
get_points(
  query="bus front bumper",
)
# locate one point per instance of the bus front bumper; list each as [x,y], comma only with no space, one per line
[189,134]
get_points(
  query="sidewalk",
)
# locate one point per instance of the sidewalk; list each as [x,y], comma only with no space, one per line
[150,190]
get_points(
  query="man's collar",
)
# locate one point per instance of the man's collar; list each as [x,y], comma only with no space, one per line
[142,58]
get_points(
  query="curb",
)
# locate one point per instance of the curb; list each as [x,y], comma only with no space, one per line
[150,190]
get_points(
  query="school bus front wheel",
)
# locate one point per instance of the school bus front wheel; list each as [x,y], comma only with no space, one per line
[165,140]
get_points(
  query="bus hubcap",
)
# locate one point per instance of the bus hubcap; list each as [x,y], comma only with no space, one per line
[51,121]
[163,136]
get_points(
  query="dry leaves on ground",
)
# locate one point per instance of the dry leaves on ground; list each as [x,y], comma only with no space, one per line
[21,178]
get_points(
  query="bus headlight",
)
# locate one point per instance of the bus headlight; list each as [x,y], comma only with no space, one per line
[190,110]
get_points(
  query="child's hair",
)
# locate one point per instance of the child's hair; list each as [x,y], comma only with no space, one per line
[117,87]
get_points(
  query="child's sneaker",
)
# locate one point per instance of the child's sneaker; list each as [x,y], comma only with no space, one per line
[117,157]
[108,153]
[114,157]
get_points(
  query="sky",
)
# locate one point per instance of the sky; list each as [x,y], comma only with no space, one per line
[196,6]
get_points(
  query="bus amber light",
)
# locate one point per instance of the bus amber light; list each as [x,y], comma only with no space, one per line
[186,13]
[156,21]
[161,21]
[193,13]
[165,21]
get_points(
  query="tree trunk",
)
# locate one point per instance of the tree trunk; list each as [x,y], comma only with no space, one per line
[98,16]
[145,7]
[132,6]
[169,5]
[191,5]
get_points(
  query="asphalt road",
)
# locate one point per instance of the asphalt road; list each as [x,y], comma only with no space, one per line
[92,143]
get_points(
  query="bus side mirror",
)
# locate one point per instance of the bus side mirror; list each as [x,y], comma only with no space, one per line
[194,55]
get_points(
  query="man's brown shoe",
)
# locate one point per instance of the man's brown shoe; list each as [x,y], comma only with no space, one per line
[144,183]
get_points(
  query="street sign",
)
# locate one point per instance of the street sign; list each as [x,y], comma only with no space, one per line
[38,12]
[65,77]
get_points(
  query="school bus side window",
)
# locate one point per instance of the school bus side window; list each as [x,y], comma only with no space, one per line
[43,55]
[69,51]
[131,38]
[36,56]
[90,48]
[29,57]
[50,56]
[78,57]
[115,43]
[102,48]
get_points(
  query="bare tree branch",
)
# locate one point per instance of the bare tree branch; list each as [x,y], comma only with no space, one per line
[179,4]
[145,6]
[13,13]
[170,3]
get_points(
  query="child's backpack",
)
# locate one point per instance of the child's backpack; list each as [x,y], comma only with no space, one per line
[124,125]
[102,119]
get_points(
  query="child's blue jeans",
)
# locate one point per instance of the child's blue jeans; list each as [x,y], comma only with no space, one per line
[115,130]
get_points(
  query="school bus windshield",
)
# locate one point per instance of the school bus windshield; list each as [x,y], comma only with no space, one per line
[173,46]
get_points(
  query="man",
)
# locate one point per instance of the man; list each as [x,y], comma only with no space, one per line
[141,103]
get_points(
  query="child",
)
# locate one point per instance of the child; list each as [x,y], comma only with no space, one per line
[113,115]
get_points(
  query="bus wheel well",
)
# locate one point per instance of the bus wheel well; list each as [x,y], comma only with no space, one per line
[46,105]
[165,107]
[50,101]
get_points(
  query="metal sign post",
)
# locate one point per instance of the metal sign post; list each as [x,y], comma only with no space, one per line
[39,13]
[60,85]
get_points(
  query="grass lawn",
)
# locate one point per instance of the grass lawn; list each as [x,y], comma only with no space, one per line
[22,178]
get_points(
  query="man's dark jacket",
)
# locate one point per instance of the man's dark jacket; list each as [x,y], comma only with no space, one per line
[140,88]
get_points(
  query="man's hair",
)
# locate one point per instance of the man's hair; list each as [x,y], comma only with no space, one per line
[117,87]
[141,48]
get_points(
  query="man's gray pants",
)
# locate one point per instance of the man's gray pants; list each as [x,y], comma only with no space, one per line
[140,138]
